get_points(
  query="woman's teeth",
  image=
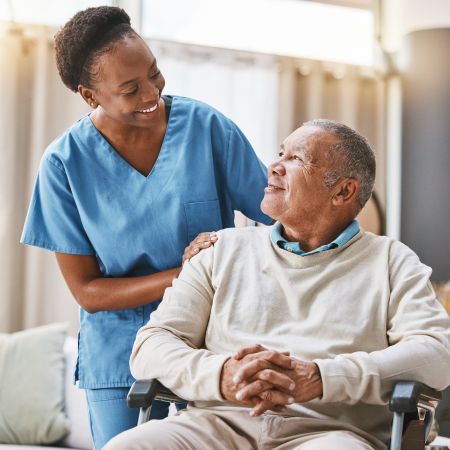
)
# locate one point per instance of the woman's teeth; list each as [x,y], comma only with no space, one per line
[149,110]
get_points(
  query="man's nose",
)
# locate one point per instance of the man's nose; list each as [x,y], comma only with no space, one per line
[277,167]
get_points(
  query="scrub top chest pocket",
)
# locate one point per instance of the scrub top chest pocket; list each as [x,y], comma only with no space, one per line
[202,217]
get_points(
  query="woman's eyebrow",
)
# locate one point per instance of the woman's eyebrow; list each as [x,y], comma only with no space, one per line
[128,82]
[135,79]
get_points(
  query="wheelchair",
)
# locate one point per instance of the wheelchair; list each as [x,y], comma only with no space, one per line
[412,403]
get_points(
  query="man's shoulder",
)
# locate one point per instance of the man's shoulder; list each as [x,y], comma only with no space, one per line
[231,239]
[398,253]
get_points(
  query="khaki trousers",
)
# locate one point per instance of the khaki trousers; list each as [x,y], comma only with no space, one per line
[199,429]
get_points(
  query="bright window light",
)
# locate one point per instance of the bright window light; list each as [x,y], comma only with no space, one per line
[280,27]
[46,12]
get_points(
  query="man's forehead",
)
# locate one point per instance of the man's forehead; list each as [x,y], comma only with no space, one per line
[310,140]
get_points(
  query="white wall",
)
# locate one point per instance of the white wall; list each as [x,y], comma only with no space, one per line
[403,16]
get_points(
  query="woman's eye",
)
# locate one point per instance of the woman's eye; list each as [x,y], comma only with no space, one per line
[297,158]
[133,92]
[280,154]
[155,76]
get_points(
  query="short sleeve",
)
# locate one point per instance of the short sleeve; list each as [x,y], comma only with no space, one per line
[53,221]
[246,177]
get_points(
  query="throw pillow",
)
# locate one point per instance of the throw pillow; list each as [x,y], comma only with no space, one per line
[32,386]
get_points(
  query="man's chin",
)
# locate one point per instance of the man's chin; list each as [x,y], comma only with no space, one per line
[269,209]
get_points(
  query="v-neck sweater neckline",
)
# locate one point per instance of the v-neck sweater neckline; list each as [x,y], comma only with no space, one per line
[303,262]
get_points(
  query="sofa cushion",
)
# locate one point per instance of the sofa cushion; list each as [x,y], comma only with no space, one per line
[76,405]
[32,385]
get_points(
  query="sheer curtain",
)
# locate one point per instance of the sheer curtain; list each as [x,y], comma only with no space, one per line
[241,85]
[35,108]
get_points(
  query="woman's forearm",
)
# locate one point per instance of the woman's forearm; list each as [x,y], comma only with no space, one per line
[113,294]
[96,293]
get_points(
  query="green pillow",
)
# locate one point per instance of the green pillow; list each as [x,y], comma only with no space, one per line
[32,386]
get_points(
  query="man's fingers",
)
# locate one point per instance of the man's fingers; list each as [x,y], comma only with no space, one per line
[265,391]
[263,406]
[278,358]
[254,348]
[250,369]
[261,363]
[253,390]
[266,379]
[276,397]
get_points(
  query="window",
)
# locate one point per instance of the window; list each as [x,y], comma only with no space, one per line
[281,27]
[45,12]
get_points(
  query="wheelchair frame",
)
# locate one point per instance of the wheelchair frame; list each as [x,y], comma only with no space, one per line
[409,431]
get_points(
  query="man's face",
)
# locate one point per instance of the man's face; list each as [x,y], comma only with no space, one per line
[296,188]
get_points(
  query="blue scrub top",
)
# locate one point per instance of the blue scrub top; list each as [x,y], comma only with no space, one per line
[88,201]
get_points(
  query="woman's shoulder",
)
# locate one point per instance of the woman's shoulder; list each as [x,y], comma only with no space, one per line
[67,142]
[200,109]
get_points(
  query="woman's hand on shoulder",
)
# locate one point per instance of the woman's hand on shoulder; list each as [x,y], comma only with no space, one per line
[202,241]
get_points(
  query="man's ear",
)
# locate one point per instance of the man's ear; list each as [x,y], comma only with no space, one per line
[88,96]
[345,191]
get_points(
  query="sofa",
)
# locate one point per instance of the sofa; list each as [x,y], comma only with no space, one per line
[79,436]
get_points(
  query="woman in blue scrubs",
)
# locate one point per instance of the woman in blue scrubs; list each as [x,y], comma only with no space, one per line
[121,194]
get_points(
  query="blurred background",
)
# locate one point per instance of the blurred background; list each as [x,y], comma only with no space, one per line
[381,67]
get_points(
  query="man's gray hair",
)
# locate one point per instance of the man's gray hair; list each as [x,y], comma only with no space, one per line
[351,157]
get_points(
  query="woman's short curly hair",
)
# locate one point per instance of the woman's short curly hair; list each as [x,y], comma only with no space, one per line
[74,56]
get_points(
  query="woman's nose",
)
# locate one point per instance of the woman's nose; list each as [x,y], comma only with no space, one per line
[151,92]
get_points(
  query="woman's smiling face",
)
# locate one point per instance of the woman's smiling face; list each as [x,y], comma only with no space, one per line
[129,83]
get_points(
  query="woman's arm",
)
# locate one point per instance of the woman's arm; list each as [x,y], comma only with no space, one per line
[95,293]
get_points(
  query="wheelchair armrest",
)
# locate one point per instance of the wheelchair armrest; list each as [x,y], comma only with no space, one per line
[407,395]
[144,392]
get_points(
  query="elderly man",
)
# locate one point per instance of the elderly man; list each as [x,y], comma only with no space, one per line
[339,315]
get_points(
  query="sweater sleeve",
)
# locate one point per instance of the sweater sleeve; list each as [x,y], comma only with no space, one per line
[418,336]
[169,347]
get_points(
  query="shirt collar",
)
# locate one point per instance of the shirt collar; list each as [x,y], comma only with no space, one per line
[351,231]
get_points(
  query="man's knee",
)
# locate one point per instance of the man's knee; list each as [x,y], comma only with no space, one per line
[143,437]
[337,440]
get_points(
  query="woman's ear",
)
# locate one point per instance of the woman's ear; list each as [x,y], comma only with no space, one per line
[346,191]
[88,96]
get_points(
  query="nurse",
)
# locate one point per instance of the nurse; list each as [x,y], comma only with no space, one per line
[121,194]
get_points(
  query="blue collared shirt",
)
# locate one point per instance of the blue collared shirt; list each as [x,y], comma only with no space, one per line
[294,247]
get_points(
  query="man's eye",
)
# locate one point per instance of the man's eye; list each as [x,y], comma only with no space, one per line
[155,76]
[297,158]
[280,154]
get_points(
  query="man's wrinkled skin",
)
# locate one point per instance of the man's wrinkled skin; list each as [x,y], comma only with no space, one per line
[297,197]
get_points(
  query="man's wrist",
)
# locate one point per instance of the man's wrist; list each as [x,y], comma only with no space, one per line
[319,381]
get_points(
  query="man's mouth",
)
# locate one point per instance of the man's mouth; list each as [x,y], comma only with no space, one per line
[271,186]
[149,110]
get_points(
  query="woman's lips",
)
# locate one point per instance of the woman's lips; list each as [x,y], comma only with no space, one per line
[149,111]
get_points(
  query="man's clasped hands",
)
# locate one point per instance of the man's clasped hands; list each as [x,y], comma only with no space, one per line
[267,379]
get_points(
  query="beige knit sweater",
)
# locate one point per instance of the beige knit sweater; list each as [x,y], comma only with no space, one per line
[365,313]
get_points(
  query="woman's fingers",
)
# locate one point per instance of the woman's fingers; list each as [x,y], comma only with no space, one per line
[202,241]
[204,237]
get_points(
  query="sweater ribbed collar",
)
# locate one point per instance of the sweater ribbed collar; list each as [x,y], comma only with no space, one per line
[313,259]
